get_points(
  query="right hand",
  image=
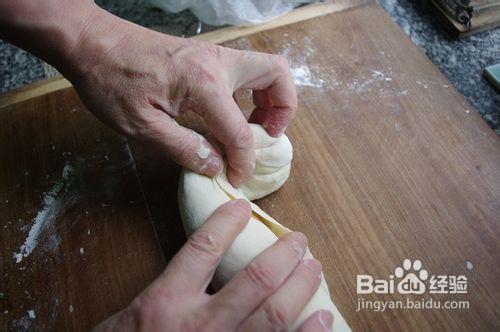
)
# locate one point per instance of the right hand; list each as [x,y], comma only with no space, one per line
[268,295]
[138,81]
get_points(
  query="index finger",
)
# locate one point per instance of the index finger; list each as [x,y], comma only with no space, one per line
[229,126]
[191,269]
[274,93]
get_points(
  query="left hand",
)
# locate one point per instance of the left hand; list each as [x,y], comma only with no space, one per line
[268,295]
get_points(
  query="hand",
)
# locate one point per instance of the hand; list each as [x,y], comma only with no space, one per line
[137,81]
[267,295]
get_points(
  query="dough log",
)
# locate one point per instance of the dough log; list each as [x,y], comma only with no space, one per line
[199,196]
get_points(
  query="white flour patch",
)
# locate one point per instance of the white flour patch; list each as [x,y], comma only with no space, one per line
[375,81]
[301,61]
[51,205]
[422,84]
[469,266]
[302,77]
[21,324]
[380,75]
[203,152]
[31,314]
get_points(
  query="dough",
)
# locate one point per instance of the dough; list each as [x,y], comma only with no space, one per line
[199,196]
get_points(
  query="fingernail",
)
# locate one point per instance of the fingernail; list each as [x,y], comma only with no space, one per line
[314,266]
[274,128]
[325,319]
[239,203]
[211,166]
[236,183]
[215,164]
[203,151]
[235,201]
[299,244]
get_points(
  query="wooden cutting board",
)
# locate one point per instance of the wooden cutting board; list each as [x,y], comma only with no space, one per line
[390,163]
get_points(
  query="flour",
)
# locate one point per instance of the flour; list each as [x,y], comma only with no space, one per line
[300,60]
[469,266]
[422,84]
[51,205]
[21,324]
[302,77]
[381,76]
[31,314]
[203,152]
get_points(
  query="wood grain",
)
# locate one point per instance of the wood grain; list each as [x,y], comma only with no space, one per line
[96,249]
[390,163]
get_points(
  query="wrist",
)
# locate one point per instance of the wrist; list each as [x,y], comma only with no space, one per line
[88,38]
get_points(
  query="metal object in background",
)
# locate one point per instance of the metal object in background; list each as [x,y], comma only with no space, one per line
[460,10]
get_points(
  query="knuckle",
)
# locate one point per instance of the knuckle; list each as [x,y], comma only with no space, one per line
[207,76]
[130,121]
[203,320]
[206,243]
[309,278]
[281,63]
[139,313]
[194,323]
[276,316]
[196,71]
[243,136]
[211,55]
[260,277]
[214,50]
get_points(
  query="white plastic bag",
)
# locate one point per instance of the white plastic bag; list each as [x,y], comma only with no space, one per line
[231,12]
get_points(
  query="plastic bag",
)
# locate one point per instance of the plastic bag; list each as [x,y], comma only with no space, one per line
[231,12]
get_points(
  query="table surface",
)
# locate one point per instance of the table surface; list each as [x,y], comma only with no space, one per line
[390,163]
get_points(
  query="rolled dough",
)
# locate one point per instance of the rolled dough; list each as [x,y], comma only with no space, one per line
[199,196]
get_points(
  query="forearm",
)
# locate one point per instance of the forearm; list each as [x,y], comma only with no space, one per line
[49,29]
[68,34]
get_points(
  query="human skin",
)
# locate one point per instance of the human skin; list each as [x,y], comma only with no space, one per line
[137,81]
[268,295]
